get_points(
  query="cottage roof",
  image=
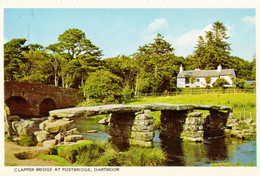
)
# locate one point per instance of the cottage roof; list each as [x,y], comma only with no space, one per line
[204,73]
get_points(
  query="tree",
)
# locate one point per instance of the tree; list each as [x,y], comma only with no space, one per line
[208,81]
[14,59]
[213,49]
[123,66]
[38,68]
[220,83]
[192,79]
[78,55]
[157,67]
[104,87]
[239,83]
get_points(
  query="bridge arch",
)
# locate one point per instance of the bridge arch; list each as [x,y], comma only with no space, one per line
[46,105]
[18,106]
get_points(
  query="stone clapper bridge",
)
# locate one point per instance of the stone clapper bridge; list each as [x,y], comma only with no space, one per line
[133,124]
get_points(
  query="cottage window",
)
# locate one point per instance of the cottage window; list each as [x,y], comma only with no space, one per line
[197,80]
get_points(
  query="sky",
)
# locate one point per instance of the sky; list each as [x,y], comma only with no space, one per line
[123,31]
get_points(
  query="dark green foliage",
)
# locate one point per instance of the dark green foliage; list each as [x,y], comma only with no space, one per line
[14,59]
[220,83]
[157,67]
[239,83]
[103,86]
[27,140]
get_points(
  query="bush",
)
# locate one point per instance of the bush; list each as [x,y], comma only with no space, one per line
[104,87]
[220,83]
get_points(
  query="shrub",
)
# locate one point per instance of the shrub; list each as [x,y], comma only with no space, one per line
[220,83]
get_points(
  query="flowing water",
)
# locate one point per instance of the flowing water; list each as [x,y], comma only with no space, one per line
[186,153]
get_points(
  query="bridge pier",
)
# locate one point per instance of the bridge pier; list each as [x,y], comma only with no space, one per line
[215,123]
[131,129]
[172,123]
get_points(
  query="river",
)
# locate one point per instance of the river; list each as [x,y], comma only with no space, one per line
[186,153]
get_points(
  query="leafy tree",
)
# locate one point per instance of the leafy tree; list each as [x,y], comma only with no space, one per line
[123,66]
[14,59]
[208,81]
[38,67]
[157,67]
[192,79]
[253,72]
[220,83]
[213,49]
[79,57]
[239,82]
[104,87]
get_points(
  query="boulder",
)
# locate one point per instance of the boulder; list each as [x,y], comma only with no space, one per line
[24,127]
[49,143]
[43,135]
[57,126]
[73,138]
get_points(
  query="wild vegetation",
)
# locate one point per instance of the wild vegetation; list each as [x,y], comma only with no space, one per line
[75,62]
[89,153]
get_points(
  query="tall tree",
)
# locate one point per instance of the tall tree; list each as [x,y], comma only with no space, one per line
[14,59]
[79,55]
[213,49]
[157,66]
[38,67]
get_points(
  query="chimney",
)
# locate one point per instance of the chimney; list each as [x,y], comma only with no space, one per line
[181,68]
[219,68]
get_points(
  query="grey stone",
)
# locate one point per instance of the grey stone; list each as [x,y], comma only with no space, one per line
[24,127]
[73,138]
[142,128]
[49,143]
[57,126]
[43,135]
[195,114]
[144,136]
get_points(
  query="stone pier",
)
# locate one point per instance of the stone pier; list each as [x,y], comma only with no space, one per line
[131,129]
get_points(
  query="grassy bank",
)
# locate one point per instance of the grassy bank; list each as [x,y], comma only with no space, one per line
[238,101]
[89,153]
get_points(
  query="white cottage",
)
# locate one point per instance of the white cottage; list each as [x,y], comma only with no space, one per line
[183,77]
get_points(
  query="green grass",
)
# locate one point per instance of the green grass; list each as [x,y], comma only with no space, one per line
[91,153]
[60,161]
[238,101]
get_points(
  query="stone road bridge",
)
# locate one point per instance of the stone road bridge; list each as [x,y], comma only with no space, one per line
[27,99]
[133,124]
